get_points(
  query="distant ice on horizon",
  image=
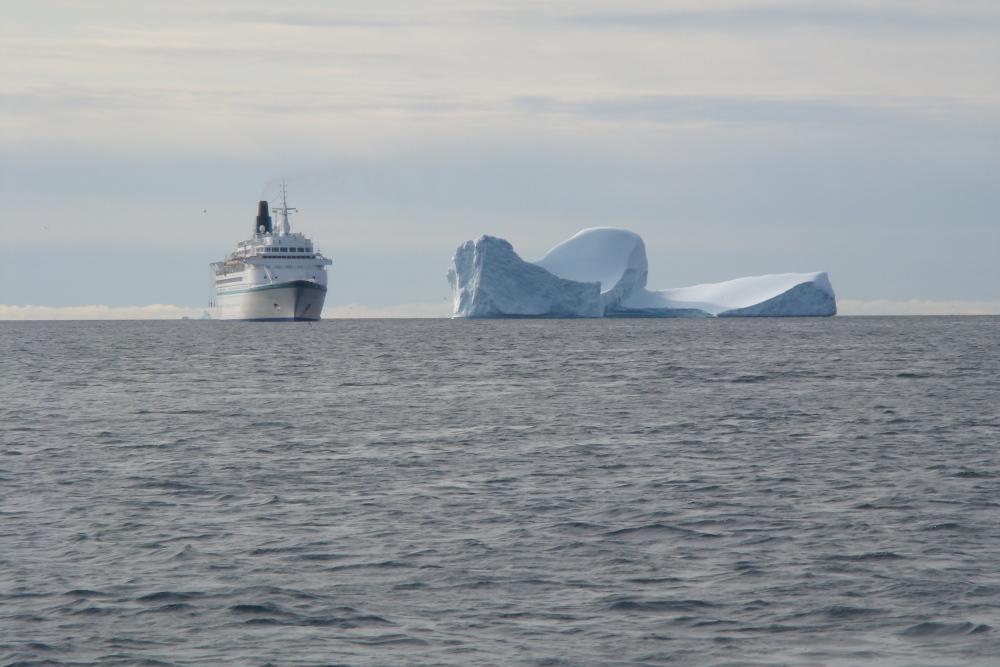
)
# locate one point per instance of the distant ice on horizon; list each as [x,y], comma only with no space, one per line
[602,272]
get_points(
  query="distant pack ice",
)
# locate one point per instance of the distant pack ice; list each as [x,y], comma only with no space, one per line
[601,272]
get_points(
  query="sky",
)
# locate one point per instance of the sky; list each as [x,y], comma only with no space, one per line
[737,138]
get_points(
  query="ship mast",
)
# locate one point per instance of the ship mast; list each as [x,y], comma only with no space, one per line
[282,213]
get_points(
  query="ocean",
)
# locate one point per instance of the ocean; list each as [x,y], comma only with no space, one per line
[501,492]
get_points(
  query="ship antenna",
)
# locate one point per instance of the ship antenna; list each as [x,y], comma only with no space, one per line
[283,226]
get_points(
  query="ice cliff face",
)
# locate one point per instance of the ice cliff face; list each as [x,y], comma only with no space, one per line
[602,272]
[490,280]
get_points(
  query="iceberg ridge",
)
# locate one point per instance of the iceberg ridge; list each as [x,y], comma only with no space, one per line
[782,295]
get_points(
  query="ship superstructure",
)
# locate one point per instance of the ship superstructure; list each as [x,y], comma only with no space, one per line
[275,275]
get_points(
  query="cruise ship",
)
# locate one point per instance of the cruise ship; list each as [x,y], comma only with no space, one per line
[277,275]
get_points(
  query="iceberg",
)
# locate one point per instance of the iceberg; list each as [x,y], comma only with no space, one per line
[490,280]
[602,272]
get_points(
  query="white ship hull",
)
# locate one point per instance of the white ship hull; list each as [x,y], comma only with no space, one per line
[297,300]
[275,276]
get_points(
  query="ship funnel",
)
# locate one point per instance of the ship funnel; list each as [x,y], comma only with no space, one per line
[263,225]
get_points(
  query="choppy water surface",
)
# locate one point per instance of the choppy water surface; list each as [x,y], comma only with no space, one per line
[682,492]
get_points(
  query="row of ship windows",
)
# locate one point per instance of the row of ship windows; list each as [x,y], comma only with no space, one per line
[264,249]
[225,281]
[220,281]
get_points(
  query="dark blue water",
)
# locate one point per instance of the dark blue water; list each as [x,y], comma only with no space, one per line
[662,492]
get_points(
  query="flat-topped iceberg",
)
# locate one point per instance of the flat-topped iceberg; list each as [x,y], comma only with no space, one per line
[782,295]
[602,272]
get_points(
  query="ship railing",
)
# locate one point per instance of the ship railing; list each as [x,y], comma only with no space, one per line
[224,268]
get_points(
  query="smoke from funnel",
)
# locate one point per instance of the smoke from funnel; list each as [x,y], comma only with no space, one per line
[315,178]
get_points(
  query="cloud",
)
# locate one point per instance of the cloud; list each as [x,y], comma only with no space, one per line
[154,312]
[898,17]
[443,310]
[169,78]
[164,312]
[642,16]
[399,18]
[686,109]
[406,310]
[915,307]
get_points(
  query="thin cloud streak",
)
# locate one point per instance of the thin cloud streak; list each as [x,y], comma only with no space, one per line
[153,312]
[402,311]
[894,19]
[704,109]
[652,108]
[751,15]
[167,312]
[916,307]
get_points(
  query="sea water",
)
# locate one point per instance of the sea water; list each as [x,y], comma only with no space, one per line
[516,492]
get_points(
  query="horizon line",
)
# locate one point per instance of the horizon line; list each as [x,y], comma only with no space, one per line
[845,308]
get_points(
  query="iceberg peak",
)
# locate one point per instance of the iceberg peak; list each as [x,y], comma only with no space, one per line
[616,258]
[489,279]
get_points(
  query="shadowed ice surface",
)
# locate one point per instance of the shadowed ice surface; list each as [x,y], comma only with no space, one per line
[501,492]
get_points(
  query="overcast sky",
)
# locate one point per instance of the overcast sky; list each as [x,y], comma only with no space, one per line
[738,138]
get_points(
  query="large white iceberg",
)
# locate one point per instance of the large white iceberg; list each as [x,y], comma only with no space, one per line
[602,272]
